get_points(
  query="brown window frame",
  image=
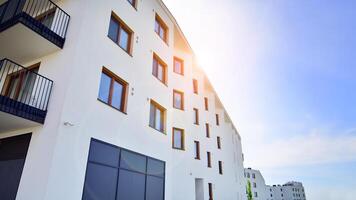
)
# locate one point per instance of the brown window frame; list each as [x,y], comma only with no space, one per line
[206,103]
[182,101]
[162,25]
[207,130]
[197,148]
[163,120]
[122,26]
[218,142]
[220,167]
[181,61]
[195,86]
[182,138]
[124,95]
[133,3]
[210,188]
[196,116]
[163,64]
[217,119]
[208,155]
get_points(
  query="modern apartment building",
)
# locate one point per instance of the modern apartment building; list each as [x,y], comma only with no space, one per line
[288,191]
[260,191]
[104,100]
[258,184]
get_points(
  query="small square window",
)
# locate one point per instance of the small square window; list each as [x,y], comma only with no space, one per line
[178,66]
[178,99]
[178,138]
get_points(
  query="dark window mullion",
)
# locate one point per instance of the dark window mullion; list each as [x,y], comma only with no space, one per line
[111,91]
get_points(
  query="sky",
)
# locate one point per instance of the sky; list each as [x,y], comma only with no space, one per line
[286,72]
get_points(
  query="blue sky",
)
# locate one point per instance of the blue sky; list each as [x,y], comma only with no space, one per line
[286,72]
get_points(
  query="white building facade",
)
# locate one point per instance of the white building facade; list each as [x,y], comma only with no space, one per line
[288,191]
[104,100]
[258,184]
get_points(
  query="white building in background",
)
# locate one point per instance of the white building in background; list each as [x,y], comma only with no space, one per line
[103,100]
[288,191]
[258,185]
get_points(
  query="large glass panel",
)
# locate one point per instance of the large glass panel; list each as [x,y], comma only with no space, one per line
[104,89]
[103,153]
[177,139]
[131,186]
[100,182]
[117,95]
[124,39]
[154,188]
[113,29]
[155,167]
[133,161]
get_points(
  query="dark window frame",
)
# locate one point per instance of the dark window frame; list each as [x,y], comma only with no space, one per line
[210,190]
[133,3]
[124,95]
[196,116]
[220,167]
[217,119]
[208,156]
[218,142]
[197,150]
[206,103]
[207,130]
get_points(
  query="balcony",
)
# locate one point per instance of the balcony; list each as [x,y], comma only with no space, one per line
[30,29]
[24,96]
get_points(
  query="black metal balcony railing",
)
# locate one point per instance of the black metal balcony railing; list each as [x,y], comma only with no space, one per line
[42,16]
[24,92]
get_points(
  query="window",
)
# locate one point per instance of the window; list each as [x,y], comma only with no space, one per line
[208,158]
[220,167]
[254,185]
[218,141]
[159,69]
[248,175]
[206,103]
[178,138]
[253,175]
[157,116]
[178,66]
[207,130]
[195,86]
[113,172]
[161,29]
[120,33]
[196,116]
[217,119]
[113,90]
[210,187]
[197,150]
[133,3]
[178,99]
[255,194]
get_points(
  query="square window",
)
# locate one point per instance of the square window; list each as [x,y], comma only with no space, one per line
[178,99]
[113,90]
[157,117]
[159,69]
[120,33]
[178,138]
[155,167]
[178,66]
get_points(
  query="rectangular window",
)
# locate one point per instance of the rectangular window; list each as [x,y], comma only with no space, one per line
[195,86]
[255,194]
[196,116]
[206,103]
[178,99]
[253,175]
[159,69]
[217,119]
[178,66]
[161,29]
[120,33]
[178,138]
[157,117]
[197,150]
[113,90]
[210,187]
[133,3]
[207,130]
[220,167]
[208,154]
[218,141]
[254,185]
